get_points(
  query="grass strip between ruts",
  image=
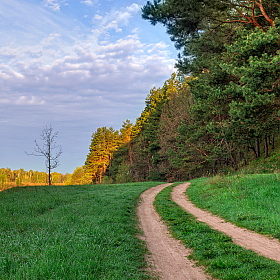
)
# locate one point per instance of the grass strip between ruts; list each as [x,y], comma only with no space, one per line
[212,249]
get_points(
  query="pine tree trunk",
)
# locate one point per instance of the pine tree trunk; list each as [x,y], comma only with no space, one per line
[257,147]
[240,156]
[129,153]
[272,141]
[265,147]
[233,162]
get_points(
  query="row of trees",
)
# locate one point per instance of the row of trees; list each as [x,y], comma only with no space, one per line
[220,109]
[16,178]
[21,177]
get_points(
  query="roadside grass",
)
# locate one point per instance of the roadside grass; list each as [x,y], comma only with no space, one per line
[71,232]
[251,201]
[212,249]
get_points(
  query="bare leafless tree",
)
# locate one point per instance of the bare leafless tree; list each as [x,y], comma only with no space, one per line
[50,150]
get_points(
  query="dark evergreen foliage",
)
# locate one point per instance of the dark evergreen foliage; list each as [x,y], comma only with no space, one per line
[227,111]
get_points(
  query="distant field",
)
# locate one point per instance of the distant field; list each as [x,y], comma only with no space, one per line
[251,201]
[72,232]
[14,185]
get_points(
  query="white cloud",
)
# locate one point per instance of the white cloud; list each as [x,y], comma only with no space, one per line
[55,4]
[103,67]
[116,19]
[134,8]
[50,39]
[52,4]
[87,2]
[25,23]
[5,101]
[135,31]
[98,17]
[54,66]
[8,52]
[22,101]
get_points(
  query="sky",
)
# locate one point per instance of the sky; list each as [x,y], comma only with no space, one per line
[75,65]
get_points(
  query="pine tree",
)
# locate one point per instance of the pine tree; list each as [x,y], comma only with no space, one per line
[103,144]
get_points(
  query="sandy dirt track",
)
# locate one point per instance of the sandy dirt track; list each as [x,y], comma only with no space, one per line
[260,244]
[168,256]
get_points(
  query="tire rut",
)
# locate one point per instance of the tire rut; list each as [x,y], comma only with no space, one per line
[265,246]
[168,256]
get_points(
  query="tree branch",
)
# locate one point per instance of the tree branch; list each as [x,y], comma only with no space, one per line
[264,13]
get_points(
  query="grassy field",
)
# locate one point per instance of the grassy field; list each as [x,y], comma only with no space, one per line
[251,201]
[214,250]
[73,232]
[90,232]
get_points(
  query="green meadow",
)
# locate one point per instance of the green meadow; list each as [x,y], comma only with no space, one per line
[71,232]
[90,231]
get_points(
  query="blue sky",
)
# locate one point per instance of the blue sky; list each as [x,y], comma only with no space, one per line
[77,65]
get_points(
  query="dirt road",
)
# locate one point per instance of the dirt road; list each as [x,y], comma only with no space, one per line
[168,256]
[260,244]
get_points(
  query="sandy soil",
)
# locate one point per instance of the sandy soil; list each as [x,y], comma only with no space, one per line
[268,247]
[168,256]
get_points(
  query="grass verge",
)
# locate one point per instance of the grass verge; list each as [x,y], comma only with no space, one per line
[212,249]
[73,232]
[251,201]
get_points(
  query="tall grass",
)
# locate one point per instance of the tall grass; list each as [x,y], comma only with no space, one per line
[251,201]
[73,232]
[212,249]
